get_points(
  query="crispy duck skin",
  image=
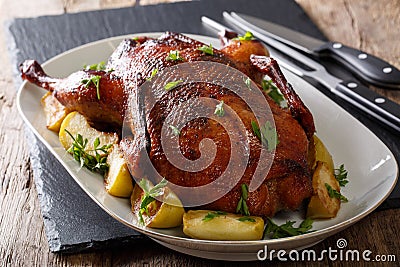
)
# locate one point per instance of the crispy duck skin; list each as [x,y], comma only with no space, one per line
[104,113]
[134,62]
[241,53]
[270,67]
[287,183]
[285,186]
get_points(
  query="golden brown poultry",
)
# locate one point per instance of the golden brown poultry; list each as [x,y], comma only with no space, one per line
[284,186]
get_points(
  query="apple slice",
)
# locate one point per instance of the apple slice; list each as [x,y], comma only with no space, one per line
[321,205]
[217,225]
[118,180]
[157,214]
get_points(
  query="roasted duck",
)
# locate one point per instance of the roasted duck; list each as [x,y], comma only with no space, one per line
[288,181]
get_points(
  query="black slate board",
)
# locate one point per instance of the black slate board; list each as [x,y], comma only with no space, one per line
[72,220]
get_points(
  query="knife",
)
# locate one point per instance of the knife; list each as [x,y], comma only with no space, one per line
[367,67]
[351,91]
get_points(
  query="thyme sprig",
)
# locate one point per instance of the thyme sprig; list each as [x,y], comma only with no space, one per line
[341,175]
[96,162]
[150,194]
[287,229]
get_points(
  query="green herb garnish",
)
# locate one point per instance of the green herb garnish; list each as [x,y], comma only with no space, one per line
[267,134]
[153,74]
[173,56]
[248,36]
[341,175]
[219,109]
[285,230]
[150,194]
[246,219]
[247,81]
[207,49]
[81,154]
[335,194]
[171,85]
[211,215]
[273,91]
[96,81]
[175,130]
[242,205]
[99,66]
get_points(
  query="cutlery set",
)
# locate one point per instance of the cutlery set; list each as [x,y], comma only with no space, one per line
[295,46]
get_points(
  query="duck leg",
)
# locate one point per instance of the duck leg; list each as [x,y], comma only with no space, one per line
[269,66]
[98,95]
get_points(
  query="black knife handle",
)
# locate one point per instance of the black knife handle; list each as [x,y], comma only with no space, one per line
[371,102]
[368,67]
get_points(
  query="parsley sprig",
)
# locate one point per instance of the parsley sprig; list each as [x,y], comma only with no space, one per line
[96,162]
[267,135]
[175,130]
[219,109]
[173,56]
[212,214]
[242,205]
[99,66]
[96,81]
[153,74]
[172,84]
[341,175]
[335,194]
[287,229]
[248,36]
[207,49]
[150,194]
[246,219]
[273,91]
[247,82]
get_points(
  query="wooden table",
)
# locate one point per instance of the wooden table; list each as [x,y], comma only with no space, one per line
[367,24]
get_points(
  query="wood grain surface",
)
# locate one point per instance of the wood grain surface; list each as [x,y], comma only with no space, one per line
[367,24]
